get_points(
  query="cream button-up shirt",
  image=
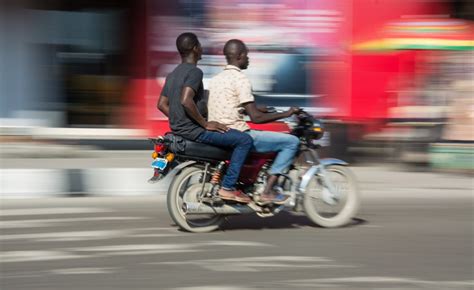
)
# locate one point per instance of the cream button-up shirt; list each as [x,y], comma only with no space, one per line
[228,90]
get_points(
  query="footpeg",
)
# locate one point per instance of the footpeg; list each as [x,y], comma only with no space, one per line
[155,179]
[213,201]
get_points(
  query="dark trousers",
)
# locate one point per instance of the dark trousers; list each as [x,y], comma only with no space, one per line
[240,142]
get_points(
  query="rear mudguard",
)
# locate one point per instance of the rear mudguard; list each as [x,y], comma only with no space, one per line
[315,170]
[176,170]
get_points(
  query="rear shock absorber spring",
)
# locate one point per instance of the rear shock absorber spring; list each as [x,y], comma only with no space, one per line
[217,174]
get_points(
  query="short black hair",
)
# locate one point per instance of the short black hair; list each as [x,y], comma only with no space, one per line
[233,48]
[186,42]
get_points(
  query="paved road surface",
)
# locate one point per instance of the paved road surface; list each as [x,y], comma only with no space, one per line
[401,242]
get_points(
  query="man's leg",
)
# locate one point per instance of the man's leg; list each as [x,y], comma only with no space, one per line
[242,144]
[286,145]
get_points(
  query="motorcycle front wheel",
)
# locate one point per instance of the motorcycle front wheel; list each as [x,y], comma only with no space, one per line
[186,187]
[340,212]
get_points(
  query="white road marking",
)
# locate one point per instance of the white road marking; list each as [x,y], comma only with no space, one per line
[365,280]
[174,229]
[102,251]
[379,280]
[34,256]
[119,248]
[82,271]
[22,275]
[371,226]
[51,211]
[97,252]
[37,223]
[209,287]
[155,248]
[156,235]
[296,259]
[236,244]
[257,264]
[67,236]
[90,235]
[148,252]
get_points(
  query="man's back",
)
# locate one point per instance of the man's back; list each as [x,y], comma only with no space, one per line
[184,75]
[228,90]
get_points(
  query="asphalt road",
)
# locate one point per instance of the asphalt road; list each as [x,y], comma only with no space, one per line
[396,242]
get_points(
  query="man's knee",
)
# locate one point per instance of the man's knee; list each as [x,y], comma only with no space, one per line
[246,140]
[293,141]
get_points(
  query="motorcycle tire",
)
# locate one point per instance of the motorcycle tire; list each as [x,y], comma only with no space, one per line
[175,201]
[348,209]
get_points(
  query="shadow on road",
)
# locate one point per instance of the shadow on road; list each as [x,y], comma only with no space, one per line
[281,221]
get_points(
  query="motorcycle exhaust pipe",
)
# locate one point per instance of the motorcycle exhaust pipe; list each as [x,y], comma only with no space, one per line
[201,208]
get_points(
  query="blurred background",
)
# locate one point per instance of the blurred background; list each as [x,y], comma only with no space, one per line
[391,79]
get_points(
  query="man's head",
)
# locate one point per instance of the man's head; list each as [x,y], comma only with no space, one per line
[236,53]
[187,43]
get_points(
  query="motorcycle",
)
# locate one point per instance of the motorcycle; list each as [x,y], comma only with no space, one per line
[324,188]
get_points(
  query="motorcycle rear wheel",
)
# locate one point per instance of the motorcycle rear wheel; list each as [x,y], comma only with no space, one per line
[185,188]
[340,214]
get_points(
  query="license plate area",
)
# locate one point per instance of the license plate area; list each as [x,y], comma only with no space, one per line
[159,163]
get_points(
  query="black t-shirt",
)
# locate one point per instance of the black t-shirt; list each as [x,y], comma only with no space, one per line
[184,75]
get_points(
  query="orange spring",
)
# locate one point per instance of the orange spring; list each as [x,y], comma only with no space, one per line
[216,177]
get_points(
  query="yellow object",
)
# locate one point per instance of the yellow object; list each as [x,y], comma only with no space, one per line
[170,157]
[154,155]
[414,43]
[317,129]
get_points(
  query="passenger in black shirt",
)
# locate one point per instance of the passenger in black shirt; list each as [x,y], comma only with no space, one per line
[180,98]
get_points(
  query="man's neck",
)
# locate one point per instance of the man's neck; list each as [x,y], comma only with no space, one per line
[189,59]
[234,64]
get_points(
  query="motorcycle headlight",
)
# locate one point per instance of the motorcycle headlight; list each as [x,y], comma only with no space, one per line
[316,132]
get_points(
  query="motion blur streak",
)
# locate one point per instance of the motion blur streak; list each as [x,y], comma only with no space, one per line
[392,81]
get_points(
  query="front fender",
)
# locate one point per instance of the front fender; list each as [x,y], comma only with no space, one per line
[315,170]
[332,161]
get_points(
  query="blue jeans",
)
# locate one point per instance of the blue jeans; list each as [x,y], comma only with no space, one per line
[285,144]
[241,143]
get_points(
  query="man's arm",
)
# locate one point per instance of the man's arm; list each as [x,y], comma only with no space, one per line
[163,105]
[258,117]
[263,109]
[187,100]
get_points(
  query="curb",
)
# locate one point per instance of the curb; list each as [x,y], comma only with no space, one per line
[26,183]
[373,182]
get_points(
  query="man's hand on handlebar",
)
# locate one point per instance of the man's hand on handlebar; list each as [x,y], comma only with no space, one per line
[293,111]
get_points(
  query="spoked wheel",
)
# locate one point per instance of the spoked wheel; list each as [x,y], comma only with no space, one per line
[186,187]
[327,212]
